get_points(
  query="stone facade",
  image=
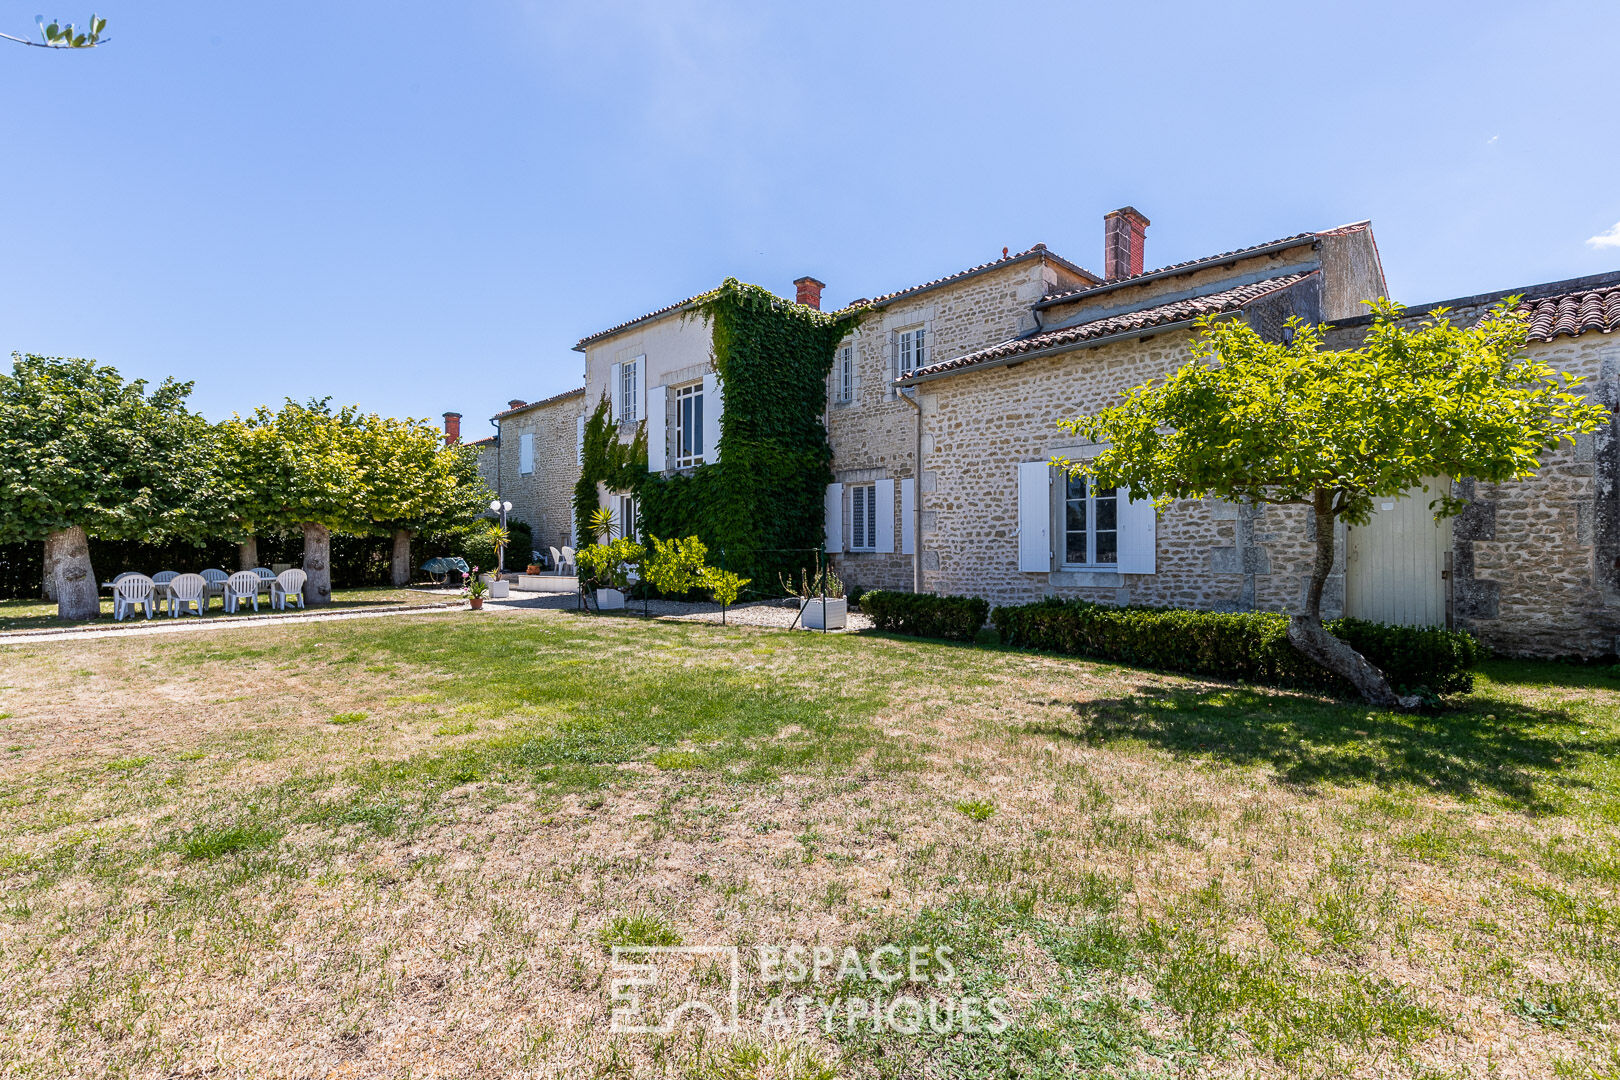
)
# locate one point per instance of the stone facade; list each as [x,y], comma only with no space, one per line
[541,495]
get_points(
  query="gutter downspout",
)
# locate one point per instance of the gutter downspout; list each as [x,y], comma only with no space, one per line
[496,424]
[914,399]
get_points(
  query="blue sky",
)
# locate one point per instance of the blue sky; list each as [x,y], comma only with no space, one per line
[421,207]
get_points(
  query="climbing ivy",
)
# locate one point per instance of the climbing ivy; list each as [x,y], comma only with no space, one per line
[761,506]
[619,466]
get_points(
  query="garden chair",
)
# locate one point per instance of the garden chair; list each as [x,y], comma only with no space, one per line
[188,591]
[288,586]
[161,578]
[568,564]
[216,583]
[132,590]
[556,561]
[241,586]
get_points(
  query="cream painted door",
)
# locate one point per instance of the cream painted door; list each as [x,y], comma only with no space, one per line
[1395,564]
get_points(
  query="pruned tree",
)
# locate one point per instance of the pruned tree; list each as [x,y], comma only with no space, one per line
[412,483]
[84,453]
[300,467]
[60,35]
[1297,424]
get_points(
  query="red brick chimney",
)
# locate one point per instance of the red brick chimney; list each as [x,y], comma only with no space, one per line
[810,291]
[1124,236]
[516,403]
[452,428]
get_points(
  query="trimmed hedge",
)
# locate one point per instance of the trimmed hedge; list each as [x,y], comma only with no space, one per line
[954,618]
[1249,646]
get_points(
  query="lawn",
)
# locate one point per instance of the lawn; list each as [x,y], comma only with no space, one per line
[41,615]
[408,848]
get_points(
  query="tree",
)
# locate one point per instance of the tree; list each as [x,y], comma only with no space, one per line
[1296,424]
[84,453]
[412,483]
[300,467]
[60,35]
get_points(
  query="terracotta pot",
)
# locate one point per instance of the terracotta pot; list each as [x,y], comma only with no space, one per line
[477,602]
[532,569]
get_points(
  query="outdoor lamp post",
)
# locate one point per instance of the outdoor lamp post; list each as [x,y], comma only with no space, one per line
[499,507]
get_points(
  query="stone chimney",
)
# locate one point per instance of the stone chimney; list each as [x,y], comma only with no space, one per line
[810,291]
[1124,236]
[452,428]
[515,403]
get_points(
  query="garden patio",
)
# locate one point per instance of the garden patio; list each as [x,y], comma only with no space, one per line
[388,846]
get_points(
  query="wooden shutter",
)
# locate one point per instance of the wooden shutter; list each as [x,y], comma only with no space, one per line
[613,392]
[658,430]
[1034,517]
[1138,535]
[835,517]
[908,517]
[641,388]
[714,402]
[526,452]
[884,513]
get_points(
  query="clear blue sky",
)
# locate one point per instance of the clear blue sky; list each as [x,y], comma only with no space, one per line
[420,207]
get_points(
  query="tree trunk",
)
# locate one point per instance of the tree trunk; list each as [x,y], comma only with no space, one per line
[1307,635]
[67,553]
[50,574]
[317,564]
[247,553]
[402,557]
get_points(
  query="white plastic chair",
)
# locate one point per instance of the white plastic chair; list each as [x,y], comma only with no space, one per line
[216,584]
[568,566]
[188,591]
[129,591]
[556,561]
[240,586]
[163,577]
[288,586]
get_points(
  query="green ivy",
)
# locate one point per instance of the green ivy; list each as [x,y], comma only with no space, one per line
[761,506]
[619,466]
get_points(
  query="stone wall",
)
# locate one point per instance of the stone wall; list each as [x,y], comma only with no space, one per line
[544,497]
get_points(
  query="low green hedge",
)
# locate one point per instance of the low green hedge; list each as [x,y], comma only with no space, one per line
[954,618]
[1251,646]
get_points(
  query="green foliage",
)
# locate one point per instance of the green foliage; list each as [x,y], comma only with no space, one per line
[301,464]
[1248,646]
[410,479]
[723,585]
[814,581]
[60,35]
[676,567]
[480,542]
[1255,420]
[605,460]
[977,809]
[80,446]
[761,503]
[602,524]
[954,618]
[608,566]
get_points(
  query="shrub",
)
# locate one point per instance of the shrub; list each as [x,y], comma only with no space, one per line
[1249,646]
[954,618]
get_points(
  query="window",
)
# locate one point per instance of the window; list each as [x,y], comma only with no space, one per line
[526,453]
[1090,524]
[911,350]
[689,426]
[627,517]
[863,517]
[630,391]
[844,374]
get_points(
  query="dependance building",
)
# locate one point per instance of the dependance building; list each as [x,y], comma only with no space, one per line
[942,410]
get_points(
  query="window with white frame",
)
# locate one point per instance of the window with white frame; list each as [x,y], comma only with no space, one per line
[910,350]
[863,517]
[630,391]
[844,374]
[689,426]
[627,517]
[1090,525]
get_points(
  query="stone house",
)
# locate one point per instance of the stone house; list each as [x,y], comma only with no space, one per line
[532,461]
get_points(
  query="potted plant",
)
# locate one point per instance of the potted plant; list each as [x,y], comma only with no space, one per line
[609,569]
[476,589]
[822,605]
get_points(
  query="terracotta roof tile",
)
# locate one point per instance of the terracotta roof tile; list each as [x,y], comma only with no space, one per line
[1573,313]
[1131,322]
[1006,260]
[527,405]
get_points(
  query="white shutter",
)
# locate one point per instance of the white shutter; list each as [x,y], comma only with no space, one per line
[616,505]
[714,402]
[526,452]
[641,388]
[885,516]
[908,517]
[658,430]
[579,438]
[613,393]
[1034,517]
[835,517]
[1138,535]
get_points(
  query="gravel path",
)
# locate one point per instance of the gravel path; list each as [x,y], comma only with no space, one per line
[778,613]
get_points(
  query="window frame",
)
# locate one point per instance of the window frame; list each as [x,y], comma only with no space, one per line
[911,346]
[683,395]
[844,373]
[628,512]
[630,390]
[862,516]
[1061,530]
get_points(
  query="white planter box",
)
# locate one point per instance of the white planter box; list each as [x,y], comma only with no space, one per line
[822,614]
[609,599]
[500,590]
